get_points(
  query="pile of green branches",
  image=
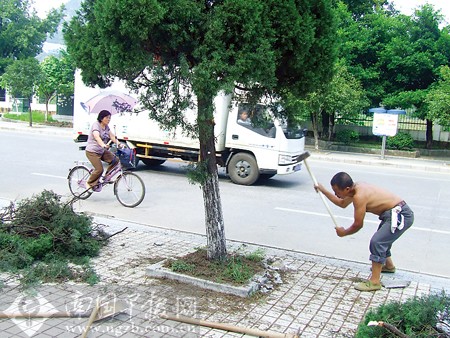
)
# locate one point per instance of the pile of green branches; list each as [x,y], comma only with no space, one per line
[424,317]
[44,240]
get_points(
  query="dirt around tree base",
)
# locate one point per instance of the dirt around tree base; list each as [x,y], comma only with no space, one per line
[237,269]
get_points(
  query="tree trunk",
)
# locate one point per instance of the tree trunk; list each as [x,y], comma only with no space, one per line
[330,126]
[315,125]
[46,110]
[325,124]
[215,230]
[30,113]
[429,134]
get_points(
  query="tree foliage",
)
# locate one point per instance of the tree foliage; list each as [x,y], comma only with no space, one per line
[419,317]
[396,57]
[360,8]
[438,99]
[57,78]
[342,97]
[181,53]
[20,77]
[22,32]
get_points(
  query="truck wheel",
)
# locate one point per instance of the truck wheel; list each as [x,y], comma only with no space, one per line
[243,169]
[150,162]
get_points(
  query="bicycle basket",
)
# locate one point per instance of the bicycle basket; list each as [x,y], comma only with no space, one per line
[127,157]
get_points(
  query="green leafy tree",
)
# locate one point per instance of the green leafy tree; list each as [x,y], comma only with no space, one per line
[360,8]
[415,63]
[20,79]
[438,99]
[362,42]
[181,54]
[397,58]
[57,78]
[342,97]
[22,32]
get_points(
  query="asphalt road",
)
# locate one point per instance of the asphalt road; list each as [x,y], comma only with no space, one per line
[284,212]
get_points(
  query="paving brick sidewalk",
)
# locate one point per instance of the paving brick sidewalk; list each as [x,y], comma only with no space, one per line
[316,299]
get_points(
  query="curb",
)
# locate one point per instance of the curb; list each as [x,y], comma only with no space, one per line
[432,165]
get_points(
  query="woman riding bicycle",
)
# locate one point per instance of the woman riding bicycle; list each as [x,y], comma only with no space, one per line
[97,149]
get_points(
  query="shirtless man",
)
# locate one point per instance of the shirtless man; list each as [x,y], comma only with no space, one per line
[369,198]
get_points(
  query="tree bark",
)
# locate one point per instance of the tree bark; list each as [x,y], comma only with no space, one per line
[315,125]
[215,230]
[46,111]
[330,126]
[325,125]
[429,134]
[30,112]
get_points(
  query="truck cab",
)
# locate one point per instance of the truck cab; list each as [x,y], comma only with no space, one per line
[260,145]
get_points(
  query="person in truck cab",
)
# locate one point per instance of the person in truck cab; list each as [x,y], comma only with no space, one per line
[243,118]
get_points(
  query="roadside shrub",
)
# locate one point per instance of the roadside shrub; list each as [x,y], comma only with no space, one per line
[42,237]
[401,141]
[347,136]
[417,317]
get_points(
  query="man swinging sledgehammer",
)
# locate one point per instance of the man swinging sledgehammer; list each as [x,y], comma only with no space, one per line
[395,216]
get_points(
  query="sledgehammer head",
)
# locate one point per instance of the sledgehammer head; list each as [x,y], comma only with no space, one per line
[303,156]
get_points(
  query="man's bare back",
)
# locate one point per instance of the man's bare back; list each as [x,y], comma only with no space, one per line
[377,200]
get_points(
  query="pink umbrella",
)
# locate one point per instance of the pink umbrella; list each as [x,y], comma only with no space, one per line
[114,102]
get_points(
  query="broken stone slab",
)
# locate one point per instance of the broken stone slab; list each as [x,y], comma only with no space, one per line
[394,283]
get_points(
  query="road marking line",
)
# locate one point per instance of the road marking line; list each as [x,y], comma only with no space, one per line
[54,176]
[351,219]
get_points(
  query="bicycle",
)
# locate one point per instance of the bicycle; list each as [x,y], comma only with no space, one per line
[129,188]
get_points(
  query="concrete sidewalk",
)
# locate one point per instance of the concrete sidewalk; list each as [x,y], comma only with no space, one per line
[315,299]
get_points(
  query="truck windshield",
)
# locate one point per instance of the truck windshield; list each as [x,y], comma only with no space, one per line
[256,118]
[293,131]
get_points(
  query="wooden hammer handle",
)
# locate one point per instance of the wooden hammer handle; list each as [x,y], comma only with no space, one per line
[320,194]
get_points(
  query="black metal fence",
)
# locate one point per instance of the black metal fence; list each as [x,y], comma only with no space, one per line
[405,122]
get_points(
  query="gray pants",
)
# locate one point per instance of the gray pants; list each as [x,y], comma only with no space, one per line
[381,241]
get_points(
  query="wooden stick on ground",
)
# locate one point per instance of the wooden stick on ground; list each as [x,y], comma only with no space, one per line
[228,327]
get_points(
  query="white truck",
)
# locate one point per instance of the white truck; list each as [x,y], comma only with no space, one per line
[248,150]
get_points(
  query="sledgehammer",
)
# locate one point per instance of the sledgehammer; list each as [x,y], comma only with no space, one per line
[303,158]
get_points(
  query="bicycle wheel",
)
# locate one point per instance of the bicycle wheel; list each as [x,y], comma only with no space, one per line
[129,189]
[77,178]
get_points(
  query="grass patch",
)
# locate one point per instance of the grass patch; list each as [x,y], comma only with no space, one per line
[237,269]
[43,240]
[37,117]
